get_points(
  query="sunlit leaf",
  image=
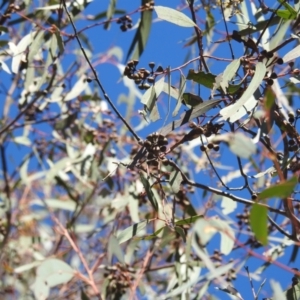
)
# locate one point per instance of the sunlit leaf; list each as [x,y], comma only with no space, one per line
[114,249]
[174,16]
[260,71]
[206,229]
[77,89]
[289,13]
[280,190]
[292,54]
[259,222]
[53,272]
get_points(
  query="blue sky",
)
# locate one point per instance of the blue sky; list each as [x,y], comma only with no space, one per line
[166,47]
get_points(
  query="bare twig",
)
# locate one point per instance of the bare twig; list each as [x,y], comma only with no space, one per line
[96,78]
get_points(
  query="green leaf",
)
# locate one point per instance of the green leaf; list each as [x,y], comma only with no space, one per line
[60,42]
[114,249]
[189,115]
[289,13]
[285,14]
[260,26]
[280,190]
[181,232]
[175,181]
[208,80]
[293,293]
[191,99]
[110,12]
[3,43]
[3,29]
[149,192]
[259,222]
[131,231]
[174,16]
[141,37]
[188,221]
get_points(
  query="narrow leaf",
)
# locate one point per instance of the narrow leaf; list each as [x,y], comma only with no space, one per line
[149,192]
[208,80]
[291,55]
[175,181]
[174,16]
[258,77]
[280,190]
[189,115]
[141,37]
[259,222]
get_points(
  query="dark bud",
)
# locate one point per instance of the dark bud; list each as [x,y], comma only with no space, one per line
[236,36]
[123,27]
[216,148]
[130,64]
[135,62]
[263,52]
[150,79]
[298,112]
[291,120]
[163,148]
[159,69]
[270,81]
[153,163]
[127,18]
[146,86]
[210,145]
[291,142]
[254,196]
[147,144]
[150,156]
[129,25]
[203,148]
[119,21]
[147,73]
[279,61]
[273,75]
[138,81]
[269,54]
[89,79]
[151,65]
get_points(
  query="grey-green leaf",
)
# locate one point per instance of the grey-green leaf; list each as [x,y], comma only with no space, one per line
[174,16]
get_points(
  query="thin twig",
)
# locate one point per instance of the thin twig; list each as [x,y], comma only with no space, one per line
[96,78]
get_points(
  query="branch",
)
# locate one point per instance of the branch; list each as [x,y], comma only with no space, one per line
[219,192]
[96,78]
